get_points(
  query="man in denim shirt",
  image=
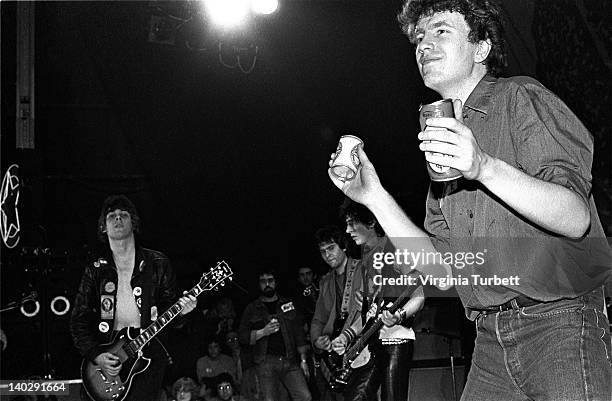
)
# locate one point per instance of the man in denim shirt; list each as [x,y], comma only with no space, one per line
[524,201]
[275,330]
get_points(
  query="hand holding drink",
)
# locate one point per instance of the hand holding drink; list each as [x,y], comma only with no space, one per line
[345,162]
[365,184]
[442,108]
[272,327]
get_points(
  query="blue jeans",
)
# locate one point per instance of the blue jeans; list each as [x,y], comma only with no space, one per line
[557,351]
[277,370]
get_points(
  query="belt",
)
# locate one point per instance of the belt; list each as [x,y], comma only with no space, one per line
[519,302]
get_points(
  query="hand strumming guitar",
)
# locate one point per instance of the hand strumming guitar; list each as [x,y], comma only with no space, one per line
[109,363]
[339,344]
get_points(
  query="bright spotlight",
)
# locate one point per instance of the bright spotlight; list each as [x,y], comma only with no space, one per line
[264,6]
[228,13]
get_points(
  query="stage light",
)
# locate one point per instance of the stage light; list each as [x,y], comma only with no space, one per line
[264,6]
[227,13]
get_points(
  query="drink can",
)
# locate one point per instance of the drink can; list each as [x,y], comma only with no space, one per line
[441,108]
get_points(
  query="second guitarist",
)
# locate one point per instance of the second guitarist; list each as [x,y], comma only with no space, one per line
[391,355]
[336,299]
[127,286]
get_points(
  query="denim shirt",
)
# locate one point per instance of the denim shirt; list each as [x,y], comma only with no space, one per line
[256,316]
[520,122]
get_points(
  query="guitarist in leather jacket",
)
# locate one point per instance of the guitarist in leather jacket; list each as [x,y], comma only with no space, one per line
[392,350]
[127,286]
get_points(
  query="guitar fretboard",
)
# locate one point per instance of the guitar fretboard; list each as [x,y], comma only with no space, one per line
[353,351]
[147,335]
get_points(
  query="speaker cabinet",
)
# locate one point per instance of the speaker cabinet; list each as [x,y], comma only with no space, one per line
[435,384]
[38,334]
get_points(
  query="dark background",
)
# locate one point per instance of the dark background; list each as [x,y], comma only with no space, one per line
[227,165]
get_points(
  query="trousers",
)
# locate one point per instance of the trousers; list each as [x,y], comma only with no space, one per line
[388,369]
[547,352]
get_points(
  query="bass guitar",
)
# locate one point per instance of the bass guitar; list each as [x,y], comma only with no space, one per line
[357,353]
[127,344]
[330,360]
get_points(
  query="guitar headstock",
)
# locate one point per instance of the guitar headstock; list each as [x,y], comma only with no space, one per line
[216,276]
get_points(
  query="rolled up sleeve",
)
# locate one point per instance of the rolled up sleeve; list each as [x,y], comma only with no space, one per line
[551,142]
[435,223]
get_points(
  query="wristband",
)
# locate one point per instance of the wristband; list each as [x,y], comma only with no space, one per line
[350,334]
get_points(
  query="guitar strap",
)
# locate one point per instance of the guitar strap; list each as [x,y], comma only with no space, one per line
[364,292]
[366,260]
[348,286]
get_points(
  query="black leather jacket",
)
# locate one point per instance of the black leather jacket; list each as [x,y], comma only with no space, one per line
[153,282]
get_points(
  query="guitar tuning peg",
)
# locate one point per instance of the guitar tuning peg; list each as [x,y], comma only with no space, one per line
[230,278]
[222,283]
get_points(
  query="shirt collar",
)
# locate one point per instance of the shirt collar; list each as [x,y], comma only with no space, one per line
[480,98]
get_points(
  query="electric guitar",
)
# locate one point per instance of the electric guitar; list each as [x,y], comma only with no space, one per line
[357,353]
[330,360]
[127,344]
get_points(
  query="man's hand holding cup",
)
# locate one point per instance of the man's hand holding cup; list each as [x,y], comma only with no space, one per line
[272,327]
[364,185]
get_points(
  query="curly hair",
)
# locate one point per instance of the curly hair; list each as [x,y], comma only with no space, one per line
[484,17]
[224,378]
[327,234]
[112,203]
[361,214]
[186,384]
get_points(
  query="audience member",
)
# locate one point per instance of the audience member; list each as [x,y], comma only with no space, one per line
[214,362]
[274,328]
[226,390]
[233,346]
[226,317]
[184,389]
[207,389]
[306,301]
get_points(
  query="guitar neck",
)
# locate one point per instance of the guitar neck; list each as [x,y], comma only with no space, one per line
[147,334]
[353,351]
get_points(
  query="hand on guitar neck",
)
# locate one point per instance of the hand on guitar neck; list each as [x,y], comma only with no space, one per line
[391,319]
[323,343]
